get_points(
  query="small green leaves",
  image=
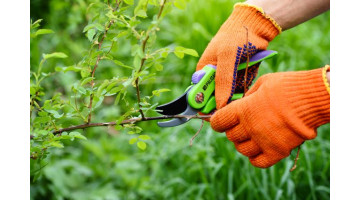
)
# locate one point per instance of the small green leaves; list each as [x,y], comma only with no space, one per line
[57,144]
[159,67]
[119,35]
[141,145]
[181,4]
[141,8]
[87,80]
[144,137]
[43,32]
[78,135]
[122,64]
[54,113]
[141,13]
[157,92]
[90,34]
[180,51]
[132,140]
[69,68]
[129,2]
[35,24]
[55,55]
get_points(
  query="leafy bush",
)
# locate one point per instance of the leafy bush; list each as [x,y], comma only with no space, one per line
[103,165]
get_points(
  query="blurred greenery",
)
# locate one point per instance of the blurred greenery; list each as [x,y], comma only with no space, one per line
[106,167]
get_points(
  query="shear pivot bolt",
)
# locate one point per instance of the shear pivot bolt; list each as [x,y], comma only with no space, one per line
[199,98]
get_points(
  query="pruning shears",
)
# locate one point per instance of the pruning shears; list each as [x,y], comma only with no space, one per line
[199,96]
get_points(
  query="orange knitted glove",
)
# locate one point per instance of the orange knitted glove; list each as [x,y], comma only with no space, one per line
[277,114]
[228,48]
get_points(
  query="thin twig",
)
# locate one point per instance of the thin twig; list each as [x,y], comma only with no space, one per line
[129,121]
[95,67]
[194,136]
[143,46]
[296,159]
[161,9]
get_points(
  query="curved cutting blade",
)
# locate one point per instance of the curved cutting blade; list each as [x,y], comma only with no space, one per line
[174,107]
[178,121]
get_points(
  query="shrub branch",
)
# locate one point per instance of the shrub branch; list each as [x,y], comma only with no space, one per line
[143,46]
[129,121]
[95,67]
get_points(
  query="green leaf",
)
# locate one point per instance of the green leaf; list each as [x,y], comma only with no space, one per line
[121,34]
[82,90]
[57,144]
[43,32]
[55,55]
[141,145]
[85,72]
[102,86]
[164,54]
[111,85]
[141,13]
[87,80]
[157,92]
[90,34]
[69,68]
[42,132]
[55,113]
[117,99]
[144,137]
[181,4]
[32,90]
[179,54]
[122,64]
[98,101]
[159,67]
[115,90]
[88,27]
[78,135]
[137,62]
[99,27]
[132,140]
[36,23]
[141,8]
[180,51]
[129,2]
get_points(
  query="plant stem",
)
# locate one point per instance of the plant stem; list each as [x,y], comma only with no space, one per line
[194,136]
[143,45]
[129,121]
[93,71]
[296,159]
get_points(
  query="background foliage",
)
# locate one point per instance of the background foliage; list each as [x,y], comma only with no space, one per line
[106,166]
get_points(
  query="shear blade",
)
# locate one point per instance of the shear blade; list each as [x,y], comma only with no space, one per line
[174,107]
[178,121]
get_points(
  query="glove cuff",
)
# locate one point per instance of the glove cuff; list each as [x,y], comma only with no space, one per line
[255,19]
[309,99]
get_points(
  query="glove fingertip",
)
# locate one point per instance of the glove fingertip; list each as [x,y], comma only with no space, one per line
[263,160]
[223,120]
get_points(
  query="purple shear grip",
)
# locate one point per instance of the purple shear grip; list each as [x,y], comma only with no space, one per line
[260,55]
[197,76]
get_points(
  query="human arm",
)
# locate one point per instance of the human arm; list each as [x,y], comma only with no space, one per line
[290,13]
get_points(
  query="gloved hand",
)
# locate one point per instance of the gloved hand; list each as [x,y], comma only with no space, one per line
[228,48]
[277,114]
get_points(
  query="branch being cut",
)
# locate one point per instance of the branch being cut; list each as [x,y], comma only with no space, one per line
[129,121]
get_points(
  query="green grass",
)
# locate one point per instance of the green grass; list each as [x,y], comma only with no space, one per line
[107,167]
